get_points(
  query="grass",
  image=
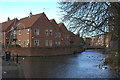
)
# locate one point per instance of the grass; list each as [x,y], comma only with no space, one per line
[114,60]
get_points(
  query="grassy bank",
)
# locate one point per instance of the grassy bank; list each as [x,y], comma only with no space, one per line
[114,60]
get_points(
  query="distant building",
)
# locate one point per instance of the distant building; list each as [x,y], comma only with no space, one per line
[101,40]
[87,41]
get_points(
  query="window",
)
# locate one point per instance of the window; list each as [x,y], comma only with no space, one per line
[46,43]
[56,43]
[24,43]
[46,32]
[28,30]
[67,36]
[19,42]
[36,31]
[50,32]
[36,42]
[27,42]
[14,32]
[50,42]
[56,35]
[19,32]
[59,43]
[59,35]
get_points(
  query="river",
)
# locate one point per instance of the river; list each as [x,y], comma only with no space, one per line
[83,65]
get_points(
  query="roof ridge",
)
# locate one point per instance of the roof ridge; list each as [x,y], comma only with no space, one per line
[7,21]
[32,16]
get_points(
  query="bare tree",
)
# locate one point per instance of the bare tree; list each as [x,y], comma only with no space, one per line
[89,18]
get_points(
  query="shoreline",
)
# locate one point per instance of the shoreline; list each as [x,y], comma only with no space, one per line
[112,60]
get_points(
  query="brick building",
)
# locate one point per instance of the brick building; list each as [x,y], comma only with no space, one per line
[87,41]
[36,31]
[101,40]
[6,26]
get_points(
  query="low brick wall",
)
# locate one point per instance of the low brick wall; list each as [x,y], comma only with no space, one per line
[36,51]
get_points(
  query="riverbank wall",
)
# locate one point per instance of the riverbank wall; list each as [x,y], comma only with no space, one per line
[38,51]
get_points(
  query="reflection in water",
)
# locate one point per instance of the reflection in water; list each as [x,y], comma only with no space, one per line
[84,65]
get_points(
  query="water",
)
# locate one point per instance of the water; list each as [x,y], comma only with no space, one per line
[84,65]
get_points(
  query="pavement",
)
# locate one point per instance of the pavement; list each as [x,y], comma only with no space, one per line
[11,69]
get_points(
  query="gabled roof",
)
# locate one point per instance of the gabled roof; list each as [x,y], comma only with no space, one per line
[62,27]
[28,21]
[54,24]
[72,34]
[7,24]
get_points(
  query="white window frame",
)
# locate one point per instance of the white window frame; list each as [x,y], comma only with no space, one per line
[50,43]
[36,31]
[67,36]
[46,43]
[14,32]
[36,42]
[59,43]
[19,32]
[51,32]
[28,42]
[59,35]
[56,43]
[46,32]
[28,30]
[55,34]
[19,42]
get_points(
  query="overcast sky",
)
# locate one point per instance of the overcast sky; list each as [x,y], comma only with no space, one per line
[22,8]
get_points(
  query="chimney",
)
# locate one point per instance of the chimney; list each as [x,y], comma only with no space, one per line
[30,15]
[8,19]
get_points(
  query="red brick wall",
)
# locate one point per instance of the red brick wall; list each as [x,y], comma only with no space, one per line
[42,51]
[24,36]
[42,24]
[6,36]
